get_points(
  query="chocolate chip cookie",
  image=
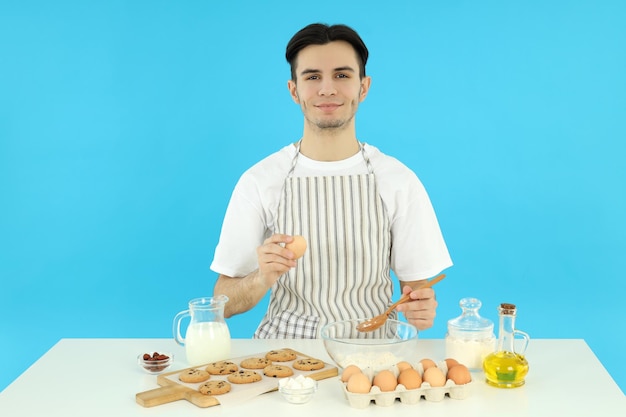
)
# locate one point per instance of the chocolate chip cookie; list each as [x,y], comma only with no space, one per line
[194,375]
[255,363]
[308,364]
[277,371]
[244,377]
[214,388]
[222,368]
[281,355]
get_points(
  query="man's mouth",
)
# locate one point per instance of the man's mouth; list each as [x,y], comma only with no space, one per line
[328,107]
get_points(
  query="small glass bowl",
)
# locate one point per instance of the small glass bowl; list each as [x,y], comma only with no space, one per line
[155,366]
[297,395]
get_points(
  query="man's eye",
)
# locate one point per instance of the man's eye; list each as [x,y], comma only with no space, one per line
[342,76]
[313,77]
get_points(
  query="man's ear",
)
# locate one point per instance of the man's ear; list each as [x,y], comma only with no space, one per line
[365,87]
[293,91]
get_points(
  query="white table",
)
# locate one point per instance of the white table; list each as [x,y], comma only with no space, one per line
[100,377]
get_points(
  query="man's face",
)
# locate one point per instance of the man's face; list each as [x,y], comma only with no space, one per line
[327,86]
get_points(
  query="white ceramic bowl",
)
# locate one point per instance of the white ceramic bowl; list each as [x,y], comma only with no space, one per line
[395,341]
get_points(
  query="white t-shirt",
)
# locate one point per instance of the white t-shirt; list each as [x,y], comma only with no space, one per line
[418,250]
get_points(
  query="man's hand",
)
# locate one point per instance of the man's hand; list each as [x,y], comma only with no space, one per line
[274,260]
[421,310]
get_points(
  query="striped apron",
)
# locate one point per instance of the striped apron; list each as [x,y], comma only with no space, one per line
[345,271]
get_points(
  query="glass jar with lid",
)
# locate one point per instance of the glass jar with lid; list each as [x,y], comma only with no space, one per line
[470,337]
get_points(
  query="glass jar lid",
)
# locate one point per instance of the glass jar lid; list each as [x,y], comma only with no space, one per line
[470,325]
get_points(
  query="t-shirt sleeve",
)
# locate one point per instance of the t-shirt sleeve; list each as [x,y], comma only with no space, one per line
[243,231]
[418,250]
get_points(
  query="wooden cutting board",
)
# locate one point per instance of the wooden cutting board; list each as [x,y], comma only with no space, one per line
[172,389]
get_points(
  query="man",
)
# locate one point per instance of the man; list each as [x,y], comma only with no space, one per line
[362,213]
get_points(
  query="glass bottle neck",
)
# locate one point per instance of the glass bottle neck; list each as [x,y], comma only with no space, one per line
[506,337]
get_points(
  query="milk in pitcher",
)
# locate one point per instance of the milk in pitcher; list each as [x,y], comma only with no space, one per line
[207,338]
[207,342]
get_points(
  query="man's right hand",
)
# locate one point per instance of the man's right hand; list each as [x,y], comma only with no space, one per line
[274,260]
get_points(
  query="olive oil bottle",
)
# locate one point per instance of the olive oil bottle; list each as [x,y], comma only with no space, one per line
[506,368]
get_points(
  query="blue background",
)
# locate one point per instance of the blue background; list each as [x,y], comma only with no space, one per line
[124,126]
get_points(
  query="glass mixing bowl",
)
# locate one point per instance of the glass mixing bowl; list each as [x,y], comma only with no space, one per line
[395,341]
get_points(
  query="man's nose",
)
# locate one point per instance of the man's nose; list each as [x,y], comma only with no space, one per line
[327,88]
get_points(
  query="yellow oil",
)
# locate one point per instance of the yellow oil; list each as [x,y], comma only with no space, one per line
[505,369]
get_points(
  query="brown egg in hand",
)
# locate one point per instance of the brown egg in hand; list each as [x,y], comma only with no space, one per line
[297,246]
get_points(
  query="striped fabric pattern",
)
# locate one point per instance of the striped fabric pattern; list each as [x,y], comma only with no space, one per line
[345,272]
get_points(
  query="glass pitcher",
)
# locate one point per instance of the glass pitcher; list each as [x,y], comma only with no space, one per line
[507,367]
[207,338]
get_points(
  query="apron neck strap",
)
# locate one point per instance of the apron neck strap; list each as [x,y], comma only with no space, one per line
[361,148]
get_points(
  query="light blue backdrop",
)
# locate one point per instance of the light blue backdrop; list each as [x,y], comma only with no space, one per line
[124,126]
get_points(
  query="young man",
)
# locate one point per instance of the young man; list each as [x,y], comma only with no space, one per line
[362,213]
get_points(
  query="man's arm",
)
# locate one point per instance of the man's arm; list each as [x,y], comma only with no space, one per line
[245,292]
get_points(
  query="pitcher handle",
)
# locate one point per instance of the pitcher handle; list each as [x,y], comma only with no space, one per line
[525,338]
[176,327]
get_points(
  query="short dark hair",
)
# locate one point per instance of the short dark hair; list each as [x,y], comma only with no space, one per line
[321,34]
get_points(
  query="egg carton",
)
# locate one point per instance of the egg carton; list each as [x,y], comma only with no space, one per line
[408,396]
